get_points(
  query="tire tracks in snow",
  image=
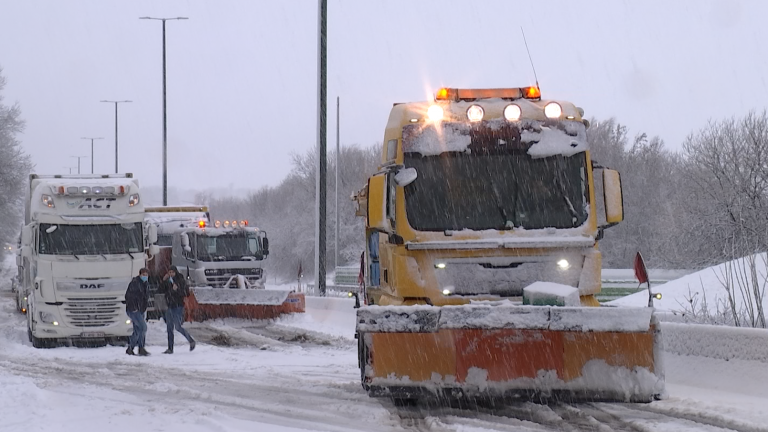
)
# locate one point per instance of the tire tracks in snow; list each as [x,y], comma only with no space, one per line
[699,418]
[335,407]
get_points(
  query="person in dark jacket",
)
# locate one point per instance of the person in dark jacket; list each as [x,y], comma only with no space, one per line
[136,300]
[175,288]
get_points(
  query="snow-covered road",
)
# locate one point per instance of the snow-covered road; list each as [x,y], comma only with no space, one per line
[283,377]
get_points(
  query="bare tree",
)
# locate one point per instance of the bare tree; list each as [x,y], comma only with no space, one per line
[649,175]
[15,165]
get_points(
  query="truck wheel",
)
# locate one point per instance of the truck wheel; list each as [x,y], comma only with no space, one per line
[38,342]
[362,359]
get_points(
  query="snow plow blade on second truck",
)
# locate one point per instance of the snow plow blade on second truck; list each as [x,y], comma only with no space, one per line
[212,303]
[481,262]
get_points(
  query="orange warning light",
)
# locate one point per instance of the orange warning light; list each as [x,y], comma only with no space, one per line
[201,224]
[532,92]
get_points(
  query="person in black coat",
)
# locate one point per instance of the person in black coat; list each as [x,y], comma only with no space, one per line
[175,288]
[136,301]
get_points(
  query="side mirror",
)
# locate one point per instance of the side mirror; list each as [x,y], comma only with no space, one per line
[18,261]
[406,176]
[265,245]
[152,233]
[27,236]
[154,249]
[377,203]
[185,241]
[614,199]
[360,198]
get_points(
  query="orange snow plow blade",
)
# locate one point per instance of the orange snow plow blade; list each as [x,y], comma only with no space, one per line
[504,351]
[211,303]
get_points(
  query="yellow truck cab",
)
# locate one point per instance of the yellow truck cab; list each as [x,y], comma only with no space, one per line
[479,194]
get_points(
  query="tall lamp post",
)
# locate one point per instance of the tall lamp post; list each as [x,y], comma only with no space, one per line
[322,92]
[115,102]
[92,139]
[165,117]
[78,162]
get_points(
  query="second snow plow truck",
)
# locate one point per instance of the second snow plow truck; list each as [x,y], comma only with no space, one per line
[223,263]
[482,263]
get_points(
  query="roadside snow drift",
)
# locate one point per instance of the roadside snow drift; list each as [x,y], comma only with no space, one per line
[706,284]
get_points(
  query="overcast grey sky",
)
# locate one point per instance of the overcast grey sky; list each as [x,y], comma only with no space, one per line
[242,74]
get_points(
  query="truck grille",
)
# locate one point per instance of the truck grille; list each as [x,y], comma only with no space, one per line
[221,276]
[92,311]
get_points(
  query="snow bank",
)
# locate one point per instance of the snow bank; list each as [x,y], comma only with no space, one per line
[550,294]
[718,342]
[707,283]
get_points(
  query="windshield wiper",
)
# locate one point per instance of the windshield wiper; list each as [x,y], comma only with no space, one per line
[508,224]
[564,194]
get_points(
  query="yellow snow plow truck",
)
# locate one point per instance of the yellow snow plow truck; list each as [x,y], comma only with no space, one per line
[481,261]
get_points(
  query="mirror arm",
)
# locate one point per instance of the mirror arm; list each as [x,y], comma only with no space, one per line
[601,230]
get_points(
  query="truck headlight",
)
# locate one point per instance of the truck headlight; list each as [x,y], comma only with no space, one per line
[133,200]
[48,318]
[48,201]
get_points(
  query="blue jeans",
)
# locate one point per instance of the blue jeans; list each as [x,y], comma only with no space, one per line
[139,329]
[173,319]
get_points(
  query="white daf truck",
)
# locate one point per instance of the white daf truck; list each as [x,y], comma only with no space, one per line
[83,240]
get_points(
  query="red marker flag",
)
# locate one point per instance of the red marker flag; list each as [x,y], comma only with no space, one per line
[641,273]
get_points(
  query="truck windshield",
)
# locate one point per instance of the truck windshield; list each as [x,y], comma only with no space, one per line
[102,239]
[228,247]
[482,177]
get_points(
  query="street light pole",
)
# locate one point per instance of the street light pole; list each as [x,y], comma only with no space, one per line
[90,138]
[336,236]
[116,102]
[165,116]
[320,239]
[78,162]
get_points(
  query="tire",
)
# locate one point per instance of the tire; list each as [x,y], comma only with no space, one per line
[362,358]
[37,342]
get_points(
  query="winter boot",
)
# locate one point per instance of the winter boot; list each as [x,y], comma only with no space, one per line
[143,352]
[129,351]
[168,351]
[192,345]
